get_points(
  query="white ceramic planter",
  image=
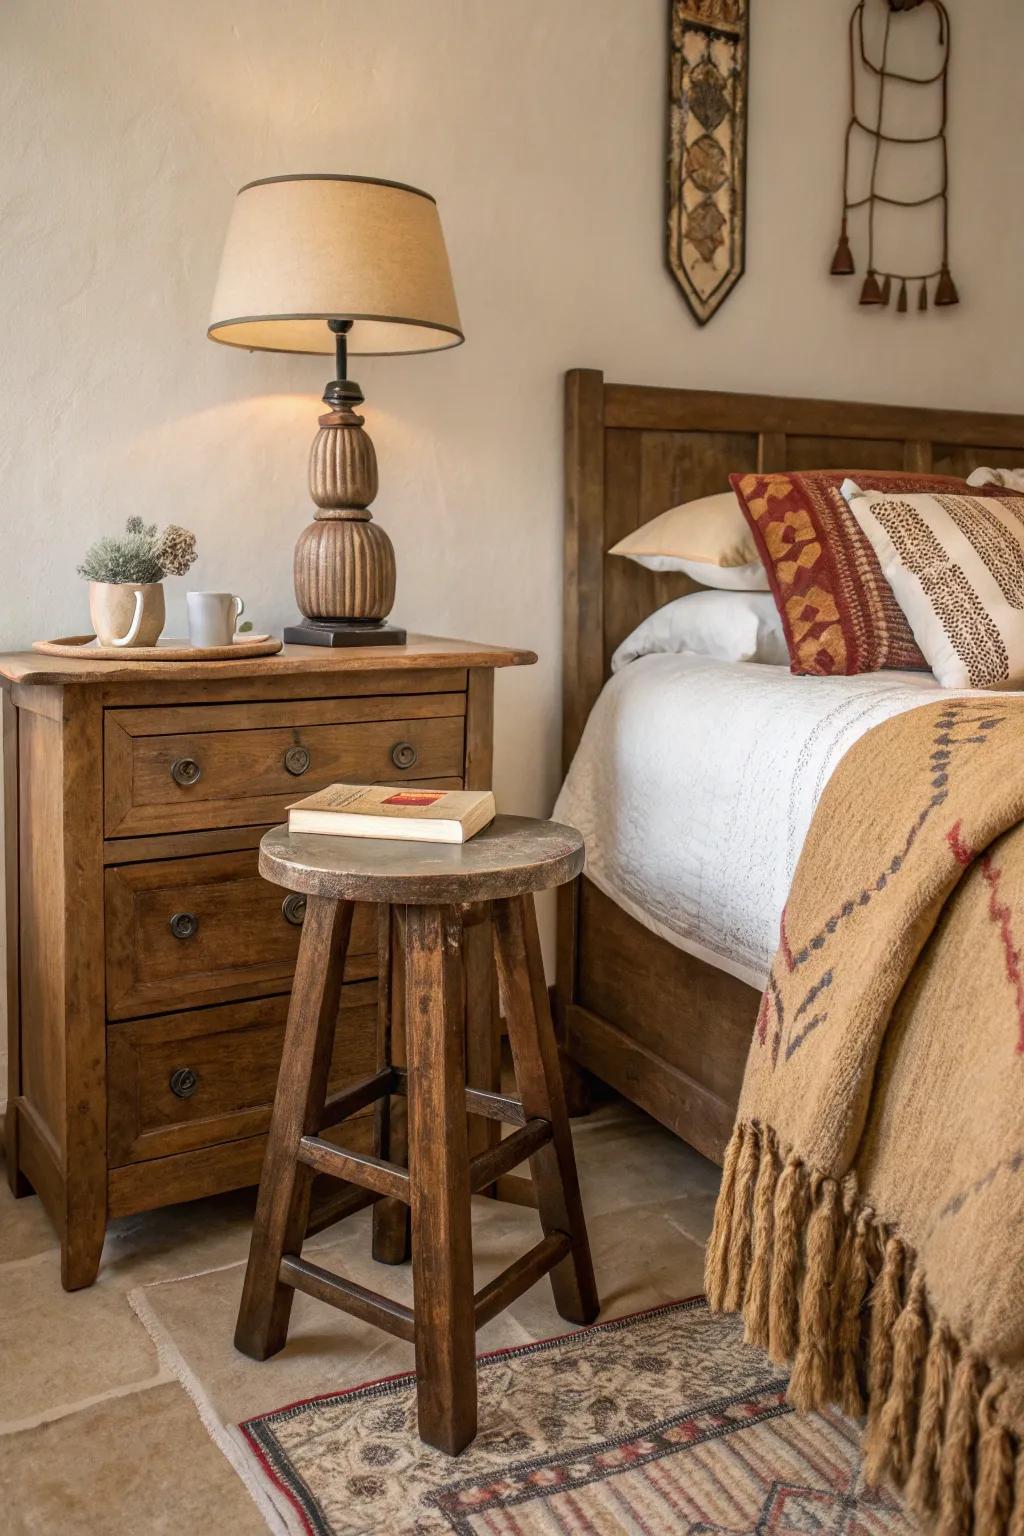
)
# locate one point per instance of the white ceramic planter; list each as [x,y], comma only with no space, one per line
[127,613]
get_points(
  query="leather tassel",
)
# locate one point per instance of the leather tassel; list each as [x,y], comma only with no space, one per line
[922,297]
[870,293]
[887,289]
[901,302]
[945,289]
[842,261]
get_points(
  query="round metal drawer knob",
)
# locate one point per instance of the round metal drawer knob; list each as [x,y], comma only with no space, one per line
[403,754]
[293,909]
[296,760]
[186,771]
[184,1082]
[184,925]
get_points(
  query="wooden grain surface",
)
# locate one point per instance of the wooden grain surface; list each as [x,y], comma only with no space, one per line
[515,854]
[243,773]
[282,1210]
[442,1240]
[234,1052]
[243,944]
[420,651]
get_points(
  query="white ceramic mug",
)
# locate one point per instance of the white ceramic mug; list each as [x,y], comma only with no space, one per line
[212,617]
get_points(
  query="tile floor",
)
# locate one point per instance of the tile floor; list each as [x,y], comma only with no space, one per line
[97,1437]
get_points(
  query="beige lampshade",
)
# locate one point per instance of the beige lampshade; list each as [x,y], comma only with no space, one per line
[302,250]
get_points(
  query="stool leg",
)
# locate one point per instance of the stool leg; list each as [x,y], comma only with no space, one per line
[442,1244]
[535,1055]
[282,1209]
[391,1217]
[483,1025]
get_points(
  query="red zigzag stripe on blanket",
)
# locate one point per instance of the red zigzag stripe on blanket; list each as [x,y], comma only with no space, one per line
[1000,914]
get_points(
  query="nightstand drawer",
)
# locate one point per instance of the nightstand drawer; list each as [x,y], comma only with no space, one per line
[241,765]
[180,932]
[193,1079]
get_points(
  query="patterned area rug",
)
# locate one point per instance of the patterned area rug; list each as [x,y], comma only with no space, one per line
[662,1422]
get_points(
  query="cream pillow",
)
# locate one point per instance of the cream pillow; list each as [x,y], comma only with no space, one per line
[956,567]
[708,539]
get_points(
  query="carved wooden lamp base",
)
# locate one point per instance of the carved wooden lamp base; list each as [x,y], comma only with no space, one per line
[344,561]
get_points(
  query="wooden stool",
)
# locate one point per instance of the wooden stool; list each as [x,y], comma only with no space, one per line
[432,891]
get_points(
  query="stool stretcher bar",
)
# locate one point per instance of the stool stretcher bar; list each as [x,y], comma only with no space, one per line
[396,1318]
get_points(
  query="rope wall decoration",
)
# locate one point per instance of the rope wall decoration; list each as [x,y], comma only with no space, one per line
[879,282]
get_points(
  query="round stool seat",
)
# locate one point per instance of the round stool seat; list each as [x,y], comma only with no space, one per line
[511,857]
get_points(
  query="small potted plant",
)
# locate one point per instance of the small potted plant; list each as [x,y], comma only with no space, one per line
[125,572]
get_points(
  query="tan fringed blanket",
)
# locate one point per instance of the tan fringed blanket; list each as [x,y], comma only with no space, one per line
[870,1225]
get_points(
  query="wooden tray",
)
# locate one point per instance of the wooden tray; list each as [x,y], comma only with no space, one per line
[86,647]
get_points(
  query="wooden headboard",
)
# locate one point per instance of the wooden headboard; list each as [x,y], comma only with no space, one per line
[631,451]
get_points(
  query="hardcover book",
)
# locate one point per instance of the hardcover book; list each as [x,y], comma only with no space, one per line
[377,810]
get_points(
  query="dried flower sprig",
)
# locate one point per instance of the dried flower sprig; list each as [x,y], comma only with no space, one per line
[176,550]
[139,556]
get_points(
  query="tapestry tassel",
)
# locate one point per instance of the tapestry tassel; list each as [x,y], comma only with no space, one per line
[886,1305]
[811,1381]
[870,293]
[923,1487]
[901,302]
[994,1494]
[922,297]
[956,1465]
[716,1268]
[945,289]
[887,289]
[783,1306]
[742,1220]
[891,1440]
[756,1301]
[842,261]
[853,1283]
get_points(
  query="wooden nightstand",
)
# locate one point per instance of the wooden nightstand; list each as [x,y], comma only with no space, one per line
[148,964]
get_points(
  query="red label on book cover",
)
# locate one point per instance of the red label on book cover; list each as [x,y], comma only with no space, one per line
[416,797]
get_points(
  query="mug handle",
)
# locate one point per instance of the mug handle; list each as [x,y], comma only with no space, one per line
[239,609]
[133,628]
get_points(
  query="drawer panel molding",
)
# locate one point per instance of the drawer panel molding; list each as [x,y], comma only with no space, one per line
[216,773]
[182,932]
[188,1079]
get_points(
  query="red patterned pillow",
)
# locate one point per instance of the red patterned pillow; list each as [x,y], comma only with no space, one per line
[838,611]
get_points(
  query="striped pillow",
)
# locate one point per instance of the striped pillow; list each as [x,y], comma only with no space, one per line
[956,565]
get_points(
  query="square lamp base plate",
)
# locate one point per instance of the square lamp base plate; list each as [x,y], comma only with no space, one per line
[343,632]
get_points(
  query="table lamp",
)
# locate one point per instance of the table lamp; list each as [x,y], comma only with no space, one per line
[342,264]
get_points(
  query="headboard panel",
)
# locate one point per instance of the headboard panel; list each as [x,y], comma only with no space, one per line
[631,451]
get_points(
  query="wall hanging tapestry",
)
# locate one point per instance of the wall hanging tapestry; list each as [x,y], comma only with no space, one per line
[707,129]
[888,151]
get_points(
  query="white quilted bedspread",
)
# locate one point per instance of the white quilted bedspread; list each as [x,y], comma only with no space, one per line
[694,786]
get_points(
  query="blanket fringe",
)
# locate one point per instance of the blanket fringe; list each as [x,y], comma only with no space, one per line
[822,1284]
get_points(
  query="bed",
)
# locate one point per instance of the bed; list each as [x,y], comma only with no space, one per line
[696,779]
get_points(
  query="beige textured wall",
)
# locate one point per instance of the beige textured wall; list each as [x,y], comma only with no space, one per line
[127,125]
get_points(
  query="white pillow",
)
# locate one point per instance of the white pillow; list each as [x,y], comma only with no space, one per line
[956,567]
[730,626]
[1011,479]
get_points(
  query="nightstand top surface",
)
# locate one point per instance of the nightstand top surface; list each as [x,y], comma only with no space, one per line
[420,651]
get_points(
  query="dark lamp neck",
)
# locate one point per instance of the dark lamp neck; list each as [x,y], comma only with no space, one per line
[342,391]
